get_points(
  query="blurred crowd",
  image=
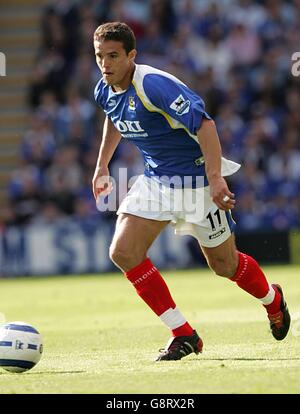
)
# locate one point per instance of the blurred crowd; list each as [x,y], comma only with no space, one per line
[235,53]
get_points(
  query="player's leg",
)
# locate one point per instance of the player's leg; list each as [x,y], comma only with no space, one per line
[214,231]
[225,260]
[133,237]
[222,259]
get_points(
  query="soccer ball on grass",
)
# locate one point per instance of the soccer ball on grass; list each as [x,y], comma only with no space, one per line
[21,346]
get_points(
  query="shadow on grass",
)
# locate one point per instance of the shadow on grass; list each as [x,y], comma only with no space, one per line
[44,372]
[57,372]
[249,359]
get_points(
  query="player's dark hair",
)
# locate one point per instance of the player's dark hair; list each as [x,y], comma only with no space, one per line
[117,31]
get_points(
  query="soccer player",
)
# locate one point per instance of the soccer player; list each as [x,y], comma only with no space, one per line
[181,149]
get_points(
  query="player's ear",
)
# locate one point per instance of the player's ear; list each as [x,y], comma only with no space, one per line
[132,54]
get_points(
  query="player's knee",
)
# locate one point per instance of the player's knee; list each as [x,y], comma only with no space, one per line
[123,258]
[223,267]
[118,255]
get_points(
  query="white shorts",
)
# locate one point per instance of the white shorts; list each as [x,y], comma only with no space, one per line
[191,211]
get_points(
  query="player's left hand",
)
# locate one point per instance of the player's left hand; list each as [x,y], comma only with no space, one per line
[221,195]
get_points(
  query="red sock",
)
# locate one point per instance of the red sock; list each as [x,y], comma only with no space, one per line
[184,330]
[251,278]
[152,288]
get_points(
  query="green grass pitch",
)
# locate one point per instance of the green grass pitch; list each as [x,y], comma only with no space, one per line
[99,337]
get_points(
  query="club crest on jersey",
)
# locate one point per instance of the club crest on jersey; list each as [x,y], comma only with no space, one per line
[181,105]
[131,103]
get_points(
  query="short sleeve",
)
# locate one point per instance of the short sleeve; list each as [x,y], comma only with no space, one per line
[176,100]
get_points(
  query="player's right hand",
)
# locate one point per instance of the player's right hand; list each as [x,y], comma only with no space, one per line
[221,195]
[102,185]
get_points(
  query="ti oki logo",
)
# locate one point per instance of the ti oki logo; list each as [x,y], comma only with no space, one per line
[129,126]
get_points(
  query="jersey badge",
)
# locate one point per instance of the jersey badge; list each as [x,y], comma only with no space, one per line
[131,103]
[181,105]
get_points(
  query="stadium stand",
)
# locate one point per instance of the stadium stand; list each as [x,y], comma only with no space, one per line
[19,40]
[236,54]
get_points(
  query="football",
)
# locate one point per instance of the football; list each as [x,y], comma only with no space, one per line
[21,346]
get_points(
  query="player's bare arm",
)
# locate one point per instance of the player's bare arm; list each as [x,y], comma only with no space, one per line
[211,148]
[110,140]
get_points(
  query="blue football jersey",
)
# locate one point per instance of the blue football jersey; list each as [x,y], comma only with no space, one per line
[161,116]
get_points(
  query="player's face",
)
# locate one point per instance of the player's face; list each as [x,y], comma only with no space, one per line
[115,64]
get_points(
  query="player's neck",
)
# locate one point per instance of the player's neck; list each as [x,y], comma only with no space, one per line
[126,81]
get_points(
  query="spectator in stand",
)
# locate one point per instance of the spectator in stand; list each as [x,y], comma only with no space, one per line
[48,215]
[280,215]
[65,18]
[85,74]
[25,191]
[244,45]
[250,213]
[162,11]
[38,145]
[76,109]
[152,45]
